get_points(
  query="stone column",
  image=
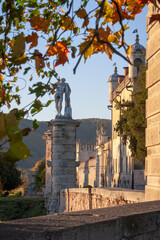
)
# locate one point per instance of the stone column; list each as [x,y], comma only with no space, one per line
[152,163]
[48,164]
[63,156]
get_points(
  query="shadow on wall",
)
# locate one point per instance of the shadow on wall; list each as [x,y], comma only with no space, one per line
[86,169]
[97,172]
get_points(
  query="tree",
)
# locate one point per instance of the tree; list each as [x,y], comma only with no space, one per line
[132,123]
[40,176]
[27,25]
[10,176]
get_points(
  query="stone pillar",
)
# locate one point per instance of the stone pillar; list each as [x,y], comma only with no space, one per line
[63,155]
[152,163]
[48,164]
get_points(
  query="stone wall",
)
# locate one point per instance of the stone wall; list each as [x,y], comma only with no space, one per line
[135,221]
[92,198]
[152,163]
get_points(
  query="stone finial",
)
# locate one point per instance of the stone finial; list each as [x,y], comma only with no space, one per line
[137,38]
[115,70]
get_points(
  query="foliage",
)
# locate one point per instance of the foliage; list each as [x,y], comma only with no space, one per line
[40,176]
[132,123]
[18,208]
[26,26]
[10,176]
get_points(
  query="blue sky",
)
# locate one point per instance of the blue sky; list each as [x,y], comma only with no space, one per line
[90,90]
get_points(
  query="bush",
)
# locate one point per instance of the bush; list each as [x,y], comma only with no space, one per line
[10,176]
[40,176]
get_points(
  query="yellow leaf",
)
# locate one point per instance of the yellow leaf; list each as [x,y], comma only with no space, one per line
[67,23]
[62,10]
[108,10]
[88,52]
[114,39]
[18,46]
[128,52]
[125,27]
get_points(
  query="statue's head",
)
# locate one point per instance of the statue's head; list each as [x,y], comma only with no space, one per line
[62,80]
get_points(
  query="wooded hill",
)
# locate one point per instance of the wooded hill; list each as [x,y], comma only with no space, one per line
[86,132]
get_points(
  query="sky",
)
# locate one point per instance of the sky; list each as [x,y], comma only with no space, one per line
[89,87]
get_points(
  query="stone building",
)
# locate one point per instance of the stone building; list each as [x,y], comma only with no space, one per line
[121,88]
[152,166]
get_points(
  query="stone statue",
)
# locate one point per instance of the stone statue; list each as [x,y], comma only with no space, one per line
[62,88]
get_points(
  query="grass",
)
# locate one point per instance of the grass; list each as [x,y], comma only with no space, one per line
[18,208]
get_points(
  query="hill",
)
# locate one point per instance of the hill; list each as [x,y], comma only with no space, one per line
[86,132]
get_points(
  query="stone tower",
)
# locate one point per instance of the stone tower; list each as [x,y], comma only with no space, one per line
[113,84]
[137,58]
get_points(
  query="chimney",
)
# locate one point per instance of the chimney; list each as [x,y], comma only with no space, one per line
[125,71]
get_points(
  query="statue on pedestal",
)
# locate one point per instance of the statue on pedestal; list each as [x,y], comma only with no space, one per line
[63,88]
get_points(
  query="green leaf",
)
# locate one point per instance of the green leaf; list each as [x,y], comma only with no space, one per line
[35,124]
[17,151]
[26,70]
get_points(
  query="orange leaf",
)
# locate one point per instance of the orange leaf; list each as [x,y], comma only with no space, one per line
[33,39]
[59,49]
[103,35]
[39,23]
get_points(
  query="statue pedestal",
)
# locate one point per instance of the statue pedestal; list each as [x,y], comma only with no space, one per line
[63,156]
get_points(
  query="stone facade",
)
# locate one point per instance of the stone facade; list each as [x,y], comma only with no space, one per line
[152,166]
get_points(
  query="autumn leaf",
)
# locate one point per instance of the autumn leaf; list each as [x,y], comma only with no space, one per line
[39,62]
[38,23]
[60,50]
[18,46]
[67,23]
[88,52]
[107,50]
[114,39]
[33,39]
[103,35]
[128,52]
[1,77]
[21,60]
[83,14]
[154,17]
[108,11]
